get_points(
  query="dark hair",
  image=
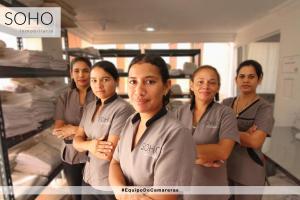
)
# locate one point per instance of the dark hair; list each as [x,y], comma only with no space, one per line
[109,67]
[194,74]
[253,63]
[75,60]
[158,62]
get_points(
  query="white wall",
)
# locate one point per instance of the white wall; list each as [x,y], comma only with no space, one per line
[224,64]
[267,54]
[285,20]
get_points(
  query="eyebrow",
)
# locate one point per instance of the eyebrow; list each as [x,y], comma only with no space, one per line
[247,74]
[79,68]
[94,77]
[155,77]
[205,79]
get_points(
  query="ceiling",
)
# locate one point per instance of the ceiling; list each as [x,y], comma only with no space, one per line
[123,21]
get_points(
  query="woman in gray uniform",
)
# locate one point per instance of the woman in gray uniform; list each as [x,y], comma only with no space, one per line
[100,126]
[214,130]
[69,109]
[154,149]
[246,165]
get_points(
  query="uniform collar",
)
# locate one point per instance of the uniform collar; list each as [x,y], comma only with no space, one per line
[206,110]
[109,100]
[192,107]
[157,116]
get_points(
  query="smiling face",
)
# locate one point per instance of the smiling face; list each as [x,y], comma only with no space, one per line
[247,79]
[102,83]
[146,88]
[80,73]
[205,85]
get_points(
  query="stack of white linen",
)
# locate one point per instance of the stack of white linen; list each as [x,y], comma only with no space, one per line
[48,138]
[30,58]
[17,113]
[175,72]
[40,159]
[92,50]
[87,52]
[43,103]
[45,137]
[58,64]
[23,111]
[176,89]
[189,68]
[25,58]
[30,102]
[2,48]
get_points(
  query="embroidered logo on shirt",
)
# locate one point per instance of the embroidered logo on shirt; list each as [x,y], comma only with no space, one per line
[150,150]
[210,124]
[103,119]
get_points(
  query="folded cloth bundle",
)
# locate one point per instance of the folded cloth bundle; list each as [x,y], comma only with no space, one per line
[40,159]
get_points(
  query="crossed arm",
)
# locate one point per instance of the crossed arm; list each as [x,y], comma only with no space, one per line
[98,147]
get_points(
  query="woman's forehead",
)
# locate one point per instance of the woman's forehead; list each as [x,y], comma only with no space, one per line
[97,71]
[144,70]
[247,70]
[206,73]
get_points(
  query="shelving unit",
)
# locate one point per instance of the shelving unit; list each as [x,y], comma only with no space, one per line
[118,53]
[23,72]
[80,52]
[53,174]
[11,3]
[161,52]
[6,143]
[12,141]
[177,53]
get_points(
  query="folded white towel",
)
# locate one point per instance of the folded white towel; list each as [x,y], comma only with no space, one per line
[40,159]
[175,72]
[189,68]
[176,89]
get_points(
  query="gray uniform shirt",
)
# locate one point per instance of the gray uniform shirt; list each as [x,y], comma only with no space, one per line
[218,122]
[69,110]
[163,156]
[109,121]
[243,164]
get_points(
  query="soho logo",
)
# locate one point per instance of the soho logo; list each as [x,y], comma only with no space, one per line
[21,18]
[31,21]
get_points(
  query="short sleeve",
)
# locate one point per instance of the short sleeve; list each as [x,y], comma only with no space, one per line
[227,102]
[228,125]
[119,120]
[264,119]
[60,107]
[175,163]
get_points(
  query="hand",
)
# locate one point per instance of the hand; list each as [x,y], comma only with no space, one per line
[65,131]
[214,164]
[105,149]
[101,149]
[218,163]
[252,129]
